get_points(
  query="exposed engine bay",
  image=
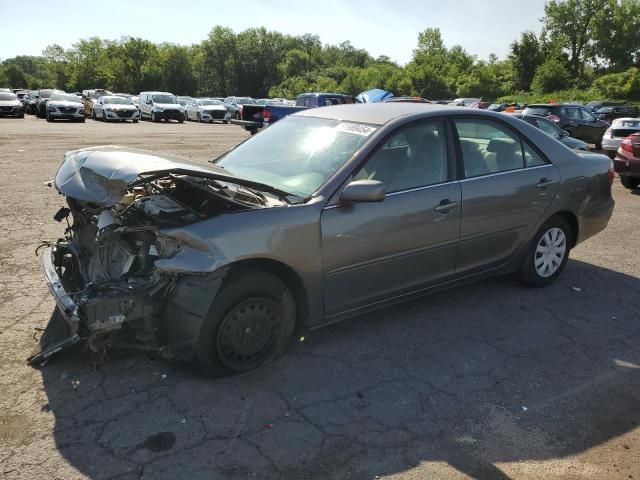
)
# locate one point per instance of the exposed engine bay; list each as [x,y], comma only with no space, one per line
[117,265]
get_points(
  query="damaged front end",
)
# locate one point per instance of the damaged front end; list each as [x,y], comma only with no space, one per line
[114,272]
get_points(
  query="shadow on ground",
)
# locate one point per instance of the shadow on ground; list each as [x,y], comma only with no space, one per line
[487,373]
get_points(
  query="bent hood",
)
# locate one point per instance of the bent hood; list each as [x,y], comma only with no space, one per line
[101,175]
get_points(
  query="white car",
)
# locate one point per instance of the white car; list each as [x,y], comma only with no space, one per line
[110,107]
[206,110]
[65,105]
[620,129]
[158,106]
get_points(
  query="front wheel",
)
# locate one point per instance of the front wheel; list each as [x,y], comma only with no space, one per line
[250,322]
[629,182]
[154,118]
[598,145]
[548,253]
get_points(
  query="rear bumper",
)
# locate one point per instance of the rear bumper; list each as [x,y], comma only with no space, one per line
[247,124]
[626,167]
[611,144]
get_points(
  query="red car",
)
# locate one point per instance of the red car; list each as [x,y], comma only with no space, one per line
[627,161]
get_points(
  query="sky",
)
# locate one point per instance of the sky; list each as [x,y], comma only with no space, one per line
[381,27]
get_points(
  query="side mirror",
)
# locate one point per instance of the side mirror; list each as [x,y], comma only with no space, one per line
[565,133]
[148,102]
[361,191]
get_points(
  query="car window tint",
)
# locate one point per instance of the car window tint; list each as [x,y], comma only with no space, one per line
[488,147]
[531,157]
[573,113]
[308,102]
[548,128]
[415,156]
[586,115]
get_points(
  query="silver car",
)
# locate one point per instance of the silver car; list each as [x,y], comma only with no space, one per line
[620,129]
[65,106]
[329,213]
[206,110]
[115,108]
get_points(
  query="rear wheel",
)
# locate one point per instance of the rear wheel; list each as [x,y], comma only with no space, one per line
[629,182]
[237,116]
[250,322]
[548,253]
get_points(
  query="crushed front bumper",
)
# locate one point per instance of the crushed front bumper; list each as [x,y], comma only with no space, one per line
[56,336]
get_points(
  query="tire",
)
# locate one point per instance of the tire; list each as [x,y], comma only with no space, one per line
[93,115]
[49,119]
[21,115]
[237,116]
[82,120]
[552,236]
[598,145]
[154,118]
[629,182]
[225,121]
[135,121]
[199,118]
[247,302]
[104,117]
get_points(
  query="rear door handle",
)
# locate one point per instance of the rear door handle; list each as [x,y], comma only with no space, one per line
[445,206]
[545,182]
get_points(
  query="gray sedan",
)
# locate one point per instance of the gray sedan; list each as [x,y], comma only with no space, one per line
[327,214]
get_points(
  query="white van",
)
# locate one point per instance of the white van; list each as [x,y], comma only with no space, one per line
[158,106]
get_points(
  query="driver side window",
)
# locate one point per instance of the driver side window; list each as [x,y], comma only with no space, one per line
[414,156]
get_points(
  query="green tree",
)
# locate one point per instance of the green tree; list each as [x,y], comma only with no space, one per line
[617,34]
[525,56]
[623,85]
[571,24]
[550,76]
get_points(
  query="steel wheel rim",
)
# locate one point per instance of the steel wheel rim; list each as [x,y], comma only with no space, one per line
[550,252]
[247,334]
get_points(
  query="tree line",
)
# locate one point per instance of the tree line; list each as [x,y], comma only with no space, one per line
[586,49]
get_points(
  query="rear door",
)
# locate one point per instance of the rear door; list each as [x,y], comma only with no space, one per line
[375,251]
[507,188]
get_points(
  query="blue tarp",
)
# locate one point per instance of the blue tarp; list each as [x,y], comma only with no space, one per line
[374,96]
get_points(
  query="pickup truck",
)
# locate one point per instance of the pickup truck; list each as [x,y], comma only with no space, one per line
[255,117]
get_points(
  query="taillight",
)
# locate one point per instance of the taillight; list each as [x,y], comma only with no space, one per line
[266,114]
[627,145]
[611,174]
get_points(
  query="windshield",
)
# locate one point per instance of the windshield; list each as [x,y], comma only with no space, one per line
[604,110]
[46,93]
[116,100]
[297,154]
[97,95]
[164,99]
[245,100]
[549,128]
[209,102]
[65,98]
[7,96]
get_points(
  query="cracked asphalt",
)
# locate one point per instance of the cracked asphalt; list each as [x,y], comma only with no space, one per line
[490,380]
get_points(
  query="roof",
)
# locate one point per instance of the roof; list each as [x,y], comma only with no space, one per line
[377,113]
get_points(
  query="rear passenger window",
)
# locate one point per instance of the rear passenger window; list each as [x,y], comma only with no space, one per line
[531,157]
[487,148]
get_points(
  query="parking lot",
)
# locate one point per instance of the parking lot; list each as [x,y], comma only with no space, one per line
[489,380]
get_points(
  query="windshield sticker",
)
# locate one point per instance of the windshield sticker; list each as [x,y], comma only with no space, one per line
[356,128]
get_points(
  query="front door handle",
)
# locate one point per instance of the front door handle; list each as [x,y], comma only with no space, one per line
[545,182]
[445,206]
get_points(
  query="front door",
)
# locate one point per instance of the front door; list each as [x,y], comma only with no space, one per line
[508,186]
[375,251]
